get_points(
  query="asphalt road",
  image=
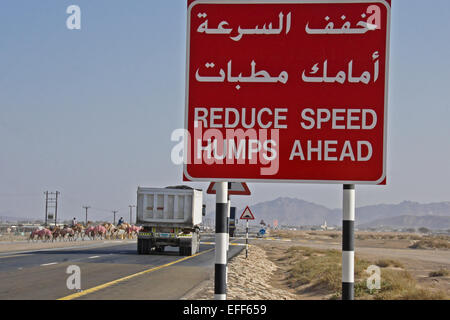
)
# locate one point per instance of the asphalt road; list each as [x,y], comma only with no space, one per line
[108,271]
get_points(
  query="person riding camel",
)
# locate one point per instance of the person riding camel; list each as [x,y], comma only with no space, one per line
[74,222]
[120,221]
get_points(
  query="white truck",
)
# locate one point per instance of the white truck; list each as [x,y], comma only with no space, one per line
[170,217]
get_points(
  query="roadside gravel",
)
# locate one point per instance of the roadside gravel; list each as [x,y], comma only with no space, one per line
[248,279]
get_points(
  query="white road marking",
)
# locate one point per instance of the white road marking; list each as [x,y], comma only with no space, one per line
[15,256]
[94,257]
[94,245]
[48,264]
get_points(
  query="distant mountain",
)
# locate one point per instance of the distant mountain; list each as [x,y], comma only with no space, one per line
[293,212]
[296,212]
[430,222]
[406,208]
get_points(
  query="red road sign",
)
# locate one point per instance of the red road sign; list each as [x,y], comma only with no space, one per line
[237,188]
[247,214]
[292,91]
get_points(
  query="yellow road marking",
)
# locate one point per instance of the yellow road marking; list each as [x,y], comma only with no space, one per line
[108,284]
[16,255]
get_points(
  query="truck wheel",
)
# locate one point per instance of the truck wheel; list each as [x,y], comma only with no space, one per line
[139,246]
[198,246]
[146,246]
[198,243]
[195,244]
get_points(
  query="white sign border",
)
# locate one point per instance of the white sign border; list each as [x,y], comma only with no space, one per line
[386,98]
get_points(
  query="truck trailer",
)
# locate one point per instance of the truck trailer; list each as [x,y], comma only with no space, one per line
[169,217]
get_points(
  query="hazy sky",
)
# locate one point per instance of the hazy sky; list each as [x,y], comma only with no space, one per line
[90,112]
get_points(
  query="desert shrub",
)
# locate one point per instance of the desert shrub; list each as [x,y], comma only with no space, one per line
[384,263]
[439,273]
[322,269]
[424,230]
[431,244]
[398,285]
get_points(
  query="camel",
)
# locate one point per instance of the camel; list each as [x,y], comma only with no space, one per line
[132,231]
[33,235]
[69,232]
[40,234]
[78,229]
[110,230]
[122,230]
[99,231]
[45,234]
[56,233]
[89,231]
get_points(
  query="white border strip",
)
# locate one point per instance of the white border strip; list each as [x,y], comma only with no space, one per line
[386,98]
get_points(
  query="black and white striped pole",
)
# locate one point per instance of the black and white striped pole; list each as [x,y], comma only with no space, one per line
[228,227]
[246,241]
[348,243]
[220,271]
[228,218]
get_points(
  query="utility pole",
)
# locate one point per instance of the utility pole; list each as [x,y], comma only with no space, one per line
[56,206]
[114,221]
[131,212]
[46,206]
[86,208]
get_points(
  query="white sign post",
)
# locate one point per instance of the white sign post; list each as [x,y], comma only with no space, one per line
[247,215]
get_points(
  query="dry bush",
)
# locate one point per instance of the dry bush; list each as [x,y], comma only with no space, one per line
[440,273]
[321,269]
[386,236]
[421,241]
[385,263]
[334,235]
[397,285]
[431,243]
[360,236]
[287,234]
[401,285]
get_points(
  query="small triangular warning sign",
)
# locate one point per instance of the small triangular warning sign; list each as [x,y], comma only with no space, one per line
[236,188]
[247,214]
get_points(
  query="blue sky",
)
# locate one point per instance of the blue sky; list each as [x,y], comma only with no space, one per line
[90,113]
